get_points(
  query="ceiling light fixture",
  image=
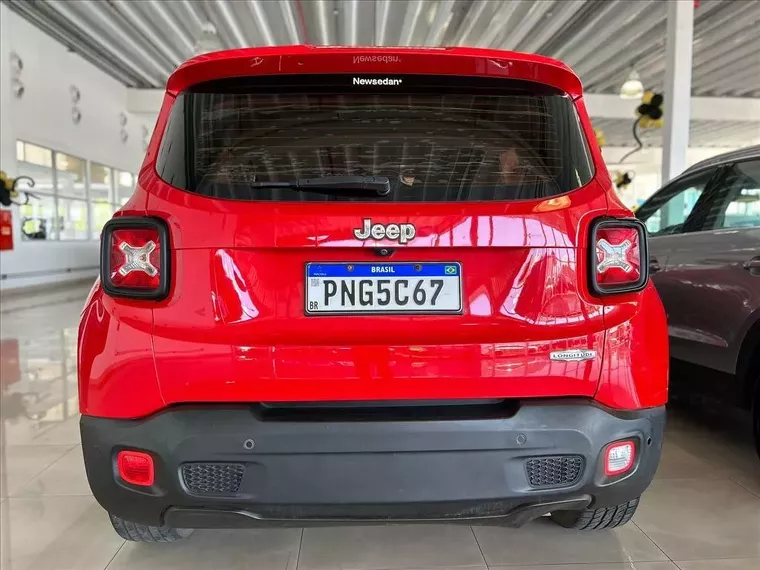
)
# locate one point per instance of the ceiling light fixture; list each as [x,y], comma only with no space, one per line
[633,88]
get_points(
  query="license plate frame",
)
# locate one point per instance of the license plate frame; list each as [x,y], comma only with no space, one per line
[380,312]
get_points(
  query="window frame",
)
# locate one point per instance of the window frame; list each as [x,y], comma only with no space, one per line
[55,194]
[52,193]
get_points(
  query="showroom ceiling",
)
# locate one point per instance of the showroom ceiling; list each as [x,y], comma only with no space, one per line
[140,43]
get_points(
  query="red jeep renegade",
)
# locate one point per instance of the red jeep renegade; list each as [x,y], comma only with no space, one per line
[371,285]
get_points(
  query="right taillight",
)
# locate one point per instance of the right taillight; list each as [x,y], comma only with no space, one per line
[135,258]
[618,256]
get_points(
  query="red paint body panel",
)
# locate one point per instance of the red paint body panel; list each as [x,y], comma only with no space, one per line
[233,328]
[115,358]
[284,60]
[635,367]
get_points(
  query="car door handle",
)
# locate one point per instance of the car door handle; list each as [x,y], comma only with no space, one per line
[752,265]
[654,266]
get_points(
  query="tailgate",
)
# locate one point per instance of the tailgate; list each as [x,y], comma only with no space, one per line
[466,281]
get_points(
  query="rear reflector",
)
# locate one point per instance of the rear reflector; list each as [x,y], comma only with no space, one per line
[134,258]
[619,262]
[135,468]
[619,457]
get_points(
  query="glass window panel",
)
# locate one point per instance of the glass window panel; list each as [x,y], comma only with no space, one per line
[37,219]
[38,155]
[70,173]
[36,164]
[125,186]
[743,207]
[100,182]
[744,210]
[449,139]
[72,219]
[101,213]
[667,211]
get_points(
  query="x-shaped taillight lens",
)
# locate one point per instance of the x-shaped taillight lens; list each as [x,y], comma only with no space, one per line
[619,261]
[138,259]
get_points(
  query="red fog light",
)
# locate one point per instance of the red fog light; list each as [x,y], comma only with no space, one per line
[619,457]
[619,260]
[135,467]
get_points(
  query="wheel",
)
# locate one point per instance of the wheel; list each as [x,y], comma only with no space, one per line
[144,533]
[597,519]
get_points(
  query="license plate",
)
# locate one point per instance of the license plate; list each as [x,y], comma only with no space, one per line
[383,288]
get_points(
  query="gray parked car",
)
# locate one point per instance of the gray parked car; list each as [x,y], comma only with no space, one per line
[704,258]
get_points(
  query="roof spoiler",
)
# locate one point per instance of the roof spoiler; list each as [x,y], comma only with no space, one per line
[282,60]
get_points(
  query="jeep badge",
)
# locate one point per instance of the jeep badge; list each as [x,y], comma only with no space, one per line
[396,232]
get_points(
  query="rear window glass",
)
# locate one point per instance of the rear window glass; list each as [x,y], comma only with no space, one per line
[438,139]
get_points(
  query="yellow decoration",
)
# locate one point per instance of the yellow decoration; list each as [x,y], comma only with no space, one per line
[8,183]
[623,180]
[600,138]
[650,112]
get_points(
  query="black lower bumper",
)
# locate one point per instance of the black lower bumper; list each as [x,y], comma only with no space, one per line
[298,470]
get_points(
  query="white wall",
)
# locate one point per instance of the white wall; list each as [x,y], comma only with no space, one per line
[43,116]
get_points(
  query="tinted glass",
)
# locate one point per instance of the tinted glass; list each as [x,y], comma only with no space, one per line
[666,212]
[438,139]
[737,203]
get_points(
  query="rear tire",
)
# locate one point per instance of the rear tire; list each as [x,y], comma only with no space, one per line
[597,519]
[144,533]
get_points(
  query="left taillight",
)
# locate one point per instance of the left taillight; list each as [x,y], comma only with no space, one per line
[619,262]
[134,258]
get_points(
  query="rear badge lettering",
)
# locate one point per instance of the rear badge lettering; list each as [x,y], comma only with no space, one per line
[377,82]
[376,59]
[394,232]
[572,355]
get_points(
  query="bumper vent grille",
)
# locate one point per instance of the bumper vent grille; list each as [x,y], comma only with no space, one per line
[213,478]
[557,471]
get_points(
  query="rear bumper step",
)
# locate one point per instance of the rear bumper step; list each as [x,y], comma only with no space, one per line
[226,467]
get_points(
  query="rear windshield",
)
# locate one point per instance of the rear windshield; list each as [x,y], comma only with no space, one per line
[438,139]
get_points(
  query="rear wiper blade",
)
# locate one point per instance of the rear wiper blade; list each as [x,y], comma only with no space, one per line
[381,185]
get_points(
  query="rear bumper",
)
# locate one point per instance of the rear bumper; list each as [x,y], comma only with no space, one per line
[302,471]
